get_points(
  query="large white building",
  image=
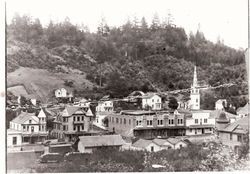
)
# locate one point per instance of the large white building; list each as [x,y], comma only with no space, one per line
[152,101]
[105,106]
[200,123]
[31,127]
[194,102]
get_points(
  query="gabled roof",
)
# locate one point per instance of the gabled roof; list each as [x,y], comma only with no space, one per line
[24,116]
[104,98]
[103,140]
[149,95]
[241,125]
[137,93]
[142,143]
[216,113]
[160,142]
[173,140]
[72,109]
[89,113]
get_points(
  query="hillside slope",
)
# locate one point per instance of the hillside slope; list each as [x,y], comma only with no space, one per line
[42,83]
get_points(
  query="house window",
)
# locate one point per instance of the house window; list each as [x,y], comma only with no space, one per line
[64,127]
[39,128]
[205,120]
[124,121]
[138,122]
[160,122]
[74,118]
[239,138]
[32,128]
[117,120]
[171,121]
[197,100]
[179,121]
[24,127]
[190,130]
[231,136]
[14,140]
[195,131]
[65,119]
[78,118]
[27,128]
[29,121]
[149,122]
[82,127]
[120,120]
[152,148]
[82,118]
[74,127]
[196,121]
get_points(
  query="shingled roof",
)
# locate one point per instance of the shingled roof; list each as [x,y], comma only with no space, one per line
[103,140]
[142,143]
[239,126]
[24,116]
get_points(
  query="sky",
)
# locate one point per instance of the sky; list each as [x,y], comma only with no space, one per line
[224,19]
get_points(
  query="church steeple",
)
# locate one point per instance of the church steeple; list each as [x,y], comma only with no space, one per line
[195,93]
[195,84]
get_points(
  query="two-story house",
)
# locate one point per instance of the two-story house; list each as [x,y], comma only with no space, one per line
[32,127]
[75,122]
[63,93]
[105,106]
[233,134]
[151,101]
[200,123]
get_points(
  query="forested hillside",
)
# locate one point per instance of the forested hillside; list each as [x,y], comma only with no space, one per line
[139,55]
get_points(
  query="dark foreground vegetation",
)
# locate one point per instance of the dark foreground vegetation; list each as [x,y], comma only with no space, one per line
[193,158]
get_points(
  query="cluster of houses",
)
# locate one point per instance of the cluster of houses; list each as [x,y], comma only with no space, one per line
[101,123]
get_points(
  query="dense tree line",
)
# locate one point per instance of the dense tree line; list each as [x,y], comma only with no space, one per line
[134,56]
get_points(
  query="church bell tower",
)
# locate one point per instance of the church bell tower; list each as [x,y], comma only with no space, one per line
[195,93]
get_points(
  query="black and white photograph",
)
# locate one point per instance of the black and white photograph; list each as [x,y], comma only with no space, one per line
[125,86]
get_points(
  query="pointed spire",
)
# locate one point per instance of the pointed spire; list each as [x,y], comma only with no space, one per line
[89,113]
[195,84]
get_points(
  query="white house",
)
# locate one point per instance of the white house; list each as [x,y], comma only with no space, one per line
[33,128]
[200,123]
[243,111]
[156,144]
[88,144]
[63,93]
[14,138]
[147,145]
[151,100]
[219,104]
[170,143]
[105,106]
[99,119]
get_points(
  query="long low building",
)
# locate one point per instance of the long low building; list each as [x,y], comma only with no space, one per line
[147,124]
[88,144]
